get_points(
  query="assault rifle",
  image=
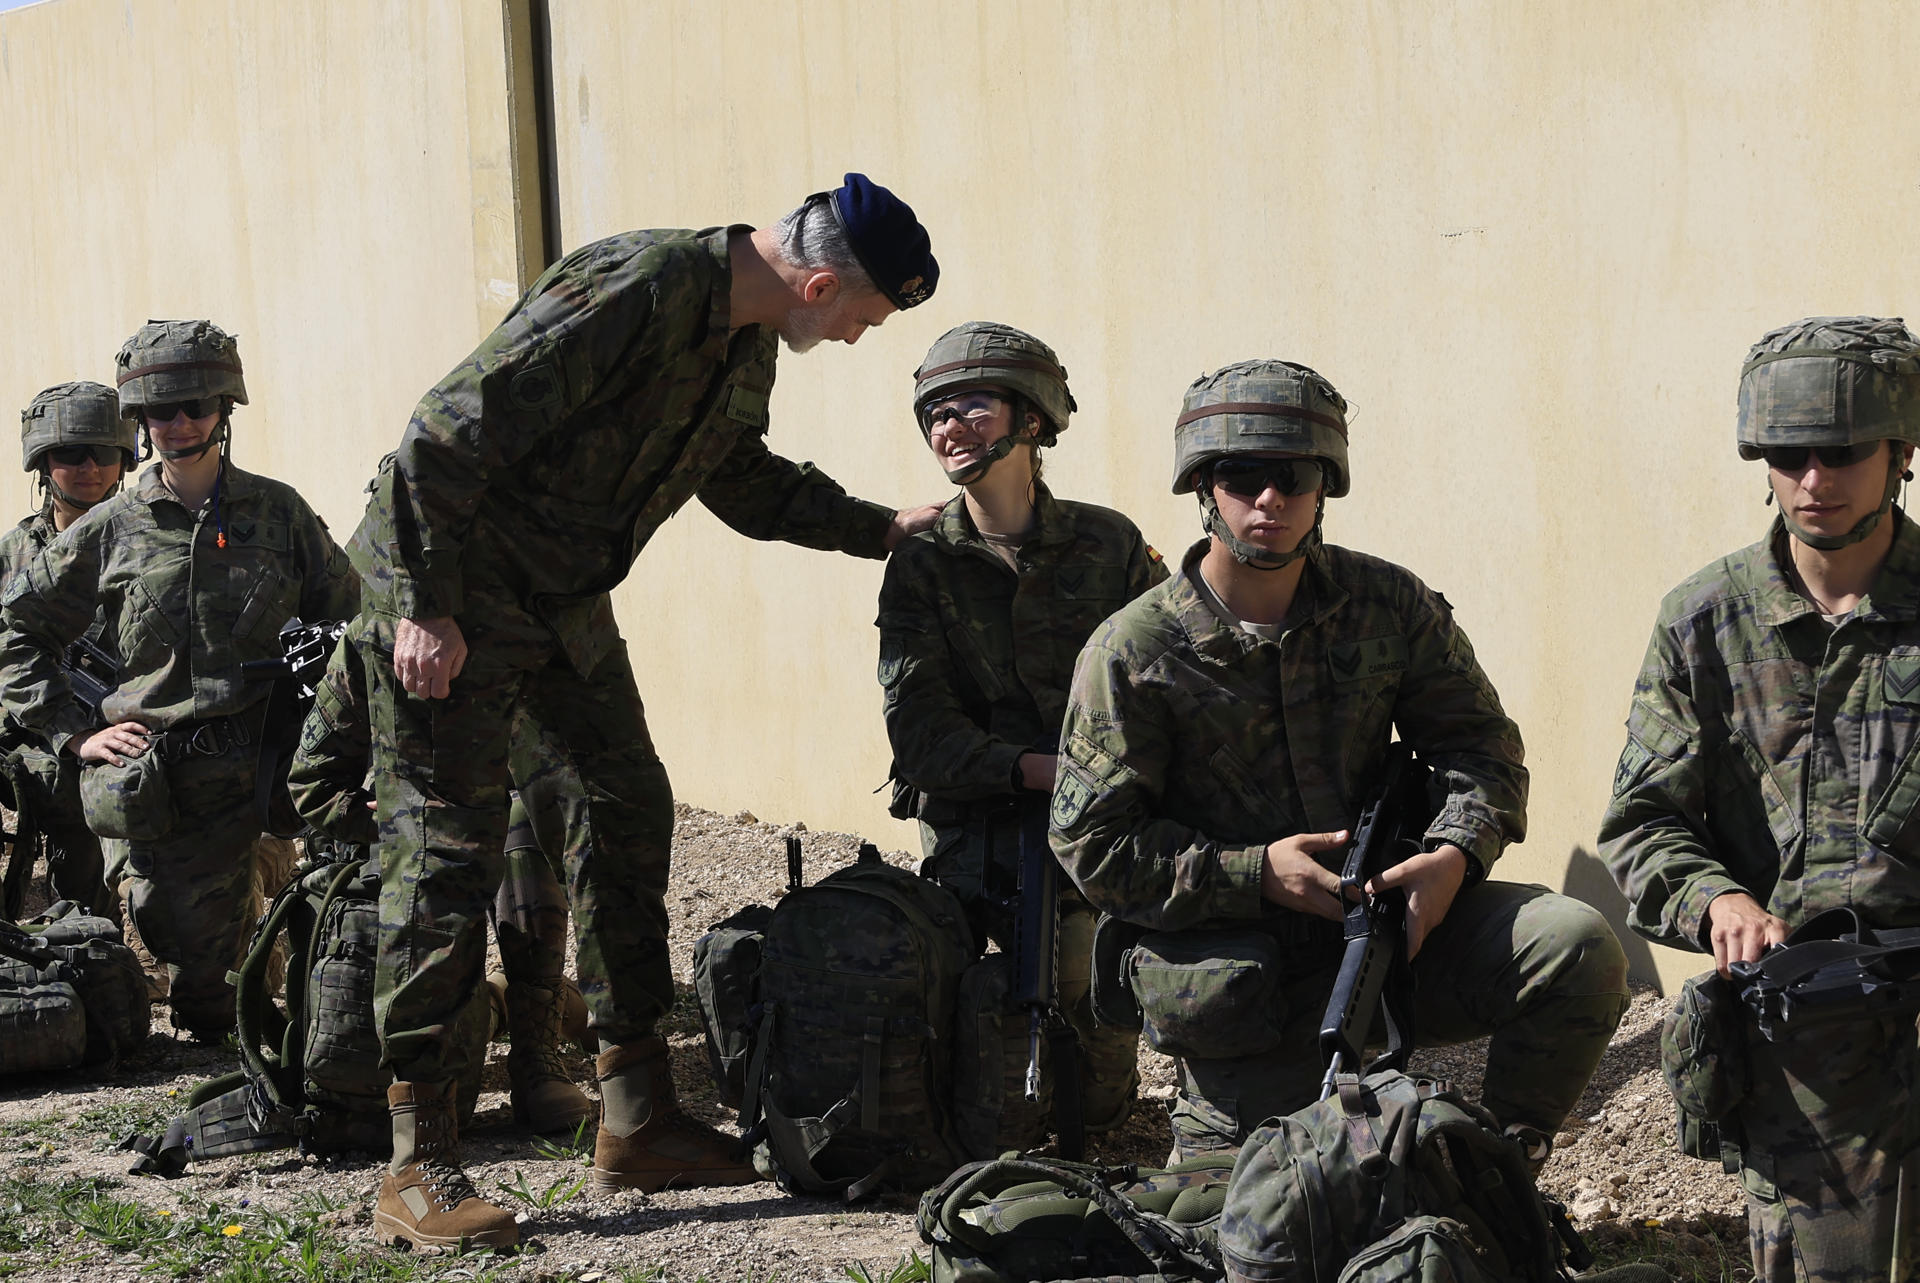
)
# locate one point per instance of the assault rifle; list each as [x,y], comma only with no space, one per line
[1832,968]
[1036,973]
[1374,974]
[93,674]
[305,649]
[304,652]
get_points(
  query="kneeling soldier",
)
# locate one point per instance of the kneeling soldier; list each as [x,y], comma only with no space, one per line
[1772,772]
[1223,733]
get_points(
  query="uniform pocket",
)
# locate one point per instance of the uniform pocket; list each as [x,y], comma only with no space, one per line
[133,801]
[1208,995]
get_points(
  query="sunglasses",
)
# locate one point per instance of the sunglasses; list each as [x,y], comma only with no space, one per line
[72,456]
[1249,478]
[196,408]
[974,407]
[1793,458]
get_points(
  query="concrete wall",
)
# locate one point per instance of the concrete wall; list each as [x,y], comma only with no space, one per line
[1530,243]
[330,182]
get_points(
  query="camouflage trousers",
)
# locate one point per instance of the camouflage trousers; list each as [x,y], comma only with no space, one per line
[442,769]
[530,911]
[192,894]
[75,867]
[1542,974]
[1830,1157]
[955,855]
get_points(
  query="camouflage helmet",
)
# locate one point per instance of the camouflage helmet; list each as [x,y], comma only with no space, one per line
[1261,406]
[73,414]
[986,354]
[1830,380]
[175,361]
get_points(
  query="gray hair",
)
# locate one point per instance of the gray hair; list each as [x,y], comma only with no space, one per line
[811,237]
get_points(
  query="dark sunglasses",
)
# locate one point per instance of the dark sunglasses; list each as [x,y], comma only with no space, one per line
[1793,458]
[1249,478]
[197,408]
[72,456]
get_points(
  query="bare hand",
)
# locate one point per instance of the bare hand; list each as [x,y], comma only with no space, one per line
[1740,930]
[428,654]
[911,521]
[107,746]
[1431,880]
[1293,879]
[1037,771]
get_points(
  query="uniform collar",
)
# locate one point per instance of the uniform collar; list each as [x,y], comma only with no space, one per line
[955,530]
[720,300]
[235,486]
[1213,636]
[1895,593]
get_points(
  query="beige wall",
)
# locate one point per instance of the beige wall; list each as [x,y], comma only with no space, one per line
[1530,243]
[327,181]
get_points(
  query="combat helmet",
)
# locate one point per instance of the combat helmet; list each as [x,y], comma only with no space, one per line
[79,413]
[989,355]
[167,361]
[1260,407]
[1830,381]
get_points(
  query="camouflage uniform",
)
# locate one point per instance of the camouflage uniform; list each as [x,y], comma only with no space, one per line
[184,614]
[975,659]
[524,488]
[51,780]
[1191,744]
[1772,753]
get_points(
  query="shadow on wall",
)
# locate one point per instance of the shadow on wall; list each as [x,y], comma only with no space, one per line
[1587,880]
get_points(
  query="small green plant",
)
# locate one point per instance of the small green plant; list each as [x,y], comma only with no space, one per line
[558,1194]
[577,1148]
[908,1269]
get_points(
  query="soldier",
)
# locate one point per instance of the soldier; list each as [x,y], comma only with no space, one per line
[195,568]
[328,780]
[1224,731]
[980,620]
[73,438]
[1770,773]
[633,375]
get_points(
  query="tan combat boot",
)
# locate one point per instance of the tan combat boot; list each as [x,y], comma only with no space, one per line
[544,1097]
[425,1199]
[645,1142]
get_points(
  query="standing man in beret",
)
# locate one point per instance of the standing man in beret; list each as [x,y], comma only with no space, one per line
[633,376]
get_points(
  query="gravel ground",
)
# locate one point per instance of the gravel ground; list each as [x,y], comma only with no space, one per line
[1615,1164]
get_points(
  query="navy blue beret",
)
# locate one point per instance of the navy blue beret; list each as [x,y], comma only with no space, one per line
[887,239]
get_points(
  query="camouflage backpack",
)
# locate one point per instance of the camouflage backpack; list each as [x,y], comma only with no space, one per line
[310,1071]
[848,1090]
[70,993]
[1394,1176]
[1024,1219]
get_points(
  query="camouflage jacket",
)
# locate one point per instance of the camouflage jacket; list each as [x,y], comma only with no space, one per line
[975,659]
[20,545]
[182,613]
[1772,753]
[612,393]
[1190,744]
[328,775]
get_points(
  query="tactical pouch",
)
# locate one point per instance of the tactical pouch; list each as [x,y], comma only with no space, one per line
[991,1112]
[1208,995]
[726,982]
[131,801]
[1112,995]
[42,1025]
[1703,1049]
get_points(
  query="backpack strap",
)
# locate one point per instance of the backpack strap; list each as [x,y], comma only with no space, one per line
[1169,1247]
[227,1122]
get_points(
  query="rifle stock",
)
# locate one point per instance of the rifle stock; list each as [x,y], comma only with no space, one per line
[92,673]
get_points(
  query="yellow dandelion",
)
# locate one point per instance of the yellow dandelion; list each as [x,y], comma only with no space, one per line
[231,1230]
[161,1211]
[1652,1222]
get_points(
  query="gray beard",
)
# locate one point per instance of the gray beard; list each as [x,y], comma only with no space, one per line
[803,330]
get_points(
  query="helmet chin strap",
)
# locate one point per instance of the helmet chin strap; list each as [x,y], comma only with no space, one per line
[1896,470]
[972,472]
[1252,555]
